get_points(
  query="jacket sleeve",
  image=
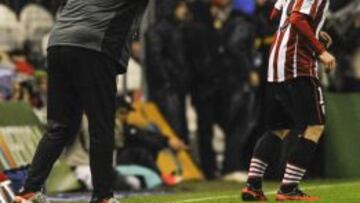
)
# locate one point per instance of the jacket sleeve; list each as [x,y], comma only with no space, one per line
[147,138]
[241,44]
[154,53]
[301,23]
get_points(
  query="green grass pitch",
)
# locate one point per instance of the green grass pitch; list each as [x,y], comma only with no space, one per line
[330,191]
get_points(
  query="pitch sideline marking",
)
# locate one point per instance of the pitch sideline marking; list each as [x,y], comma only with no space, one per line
[267,193]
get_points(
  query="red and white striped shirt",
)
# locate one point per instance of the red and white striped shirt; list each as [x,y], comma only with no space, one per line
[296,44]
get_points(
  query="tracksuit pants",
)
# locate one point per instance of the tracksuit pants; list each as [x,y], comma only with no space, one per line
[80,81]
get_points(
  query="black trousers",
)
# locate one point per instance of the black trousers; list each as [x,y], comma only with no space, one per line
[232,108]
[238,121]
[207,108]
[172,104]
[80,80]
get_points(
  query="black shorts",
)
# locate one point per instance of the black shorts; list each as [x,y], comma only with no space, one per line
[294,104]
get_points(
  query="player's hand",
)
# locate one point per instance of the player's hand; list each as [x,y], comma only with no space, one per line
[326,39]
[329,61]
[177,145]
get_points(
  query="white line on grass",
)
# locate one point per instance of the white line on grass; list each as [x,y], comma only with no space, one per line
[267,193]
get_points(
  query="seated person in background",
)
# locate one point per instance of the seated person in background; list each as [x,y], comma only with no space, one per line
[137,151]
[142,146]
[21,92]
[22,64]
[6,62]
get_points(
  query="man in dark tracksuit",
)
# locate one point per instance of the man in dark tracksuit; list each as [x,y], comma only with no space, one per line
[236,39]
[88,47]
[167,73]
[220,55]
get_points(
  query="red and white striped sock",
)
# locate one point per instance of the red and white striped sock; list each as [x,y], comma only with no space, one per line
[257,168]
[292,177]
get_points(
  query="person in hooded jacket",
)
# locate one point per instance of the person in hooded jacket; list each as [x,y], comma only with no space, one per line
[236,58]
[201,47]
[167,72]
[222,61]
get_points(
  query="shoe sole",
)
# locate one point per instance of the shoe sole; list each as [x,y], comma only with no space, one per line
[246,197]
[20,200]
[283,199]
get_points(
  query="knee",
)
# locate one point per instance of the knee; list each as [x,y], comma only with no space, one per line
[60,131]
[314,133]
[282,134]
[56,131]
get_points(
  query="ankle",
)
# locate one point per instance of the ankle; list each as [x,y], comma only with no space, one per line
[255,183]
[287,188]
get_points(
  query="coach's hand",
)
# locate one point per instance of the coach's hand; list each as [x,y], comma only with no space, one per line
[328,60]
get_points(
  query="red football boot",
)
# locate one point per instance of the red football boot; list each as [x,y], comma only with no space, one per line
[251,195]
[295,195]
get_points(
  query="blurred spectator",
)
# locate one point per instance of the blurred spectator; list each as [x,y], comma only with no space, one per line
[137,149]
[338,4]
[133,79]
[36,22]
[235,57]
[6,62]
[351,47]
[222,93]
[264,29]
[166,69]
[51,5]
[142,145]
[6,80]
[22,65]
[21,92]
[245,6]
[202,48]
[39,98]
[11,35]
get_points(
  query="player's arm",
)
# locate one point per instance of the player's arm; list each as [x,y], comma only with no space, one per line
[276,11]
[326,39]
[300,22]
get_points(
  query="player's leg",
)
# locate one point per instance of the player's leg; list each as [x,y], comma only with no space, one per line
[64,118]
[301,157]
[266,151]
[97,87]
[268,147]
[298,163]
[309,112]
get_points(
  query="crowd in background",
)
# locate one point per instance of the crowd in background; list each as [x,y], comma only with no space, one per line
[214,52]
[22,55]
